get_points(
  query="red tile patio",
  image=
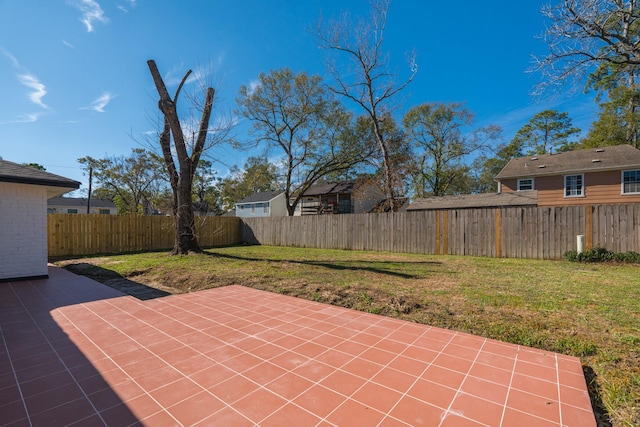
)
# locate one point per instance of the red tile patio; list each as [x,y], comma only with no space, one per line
[75,352]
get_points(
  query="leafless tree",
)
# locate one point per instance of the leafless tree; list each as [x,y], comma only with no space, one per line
[364,76]
[182,156]
[585,34]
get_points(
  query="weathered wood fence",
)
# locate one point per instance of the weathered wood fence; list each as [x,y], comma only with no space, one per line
[527,232]
[71,235]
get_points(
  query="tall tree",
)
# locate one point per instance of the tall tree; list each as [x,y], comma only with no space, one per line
[206,193]
[37,166]
[441,146]
[181,156]
[130,181]
[257,175]
[297,116]
[485,168]
[363,76]
[585,34]
[545,131]
[399,154]
[619,118]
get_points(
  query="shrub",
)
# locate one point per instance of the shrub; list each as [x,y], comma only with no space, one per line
[599,254]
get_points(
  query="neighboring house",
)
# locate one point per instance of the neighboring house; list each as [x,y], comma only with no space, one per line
[75,205]
[23,219]
[487,200]
[338,198]
[606,175]
[262,204]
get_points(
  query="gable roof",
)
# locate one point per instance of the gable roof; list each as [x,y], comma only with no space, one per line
[615,157]
[261,196]
[80,201]
[488,200]
[20,174]
[330,188]
[55,185]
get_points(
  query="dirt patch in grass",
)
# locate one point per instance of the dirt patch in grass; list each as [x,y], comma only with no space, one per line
[588,311]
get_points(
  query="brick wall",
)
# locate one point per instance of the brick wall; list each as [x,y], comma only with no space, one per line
[23,231]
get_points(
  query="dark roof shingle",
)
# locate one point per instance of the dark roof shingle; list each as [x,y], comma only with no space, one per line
[261,196]
[488,200]
[80,201]
[606,158]
[330,188]
[19,174]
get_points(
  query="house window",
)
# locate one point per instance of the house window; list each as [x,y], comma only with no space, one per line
[265,208]
[525,184]
[72,211]
[253,208]
[574,185]
[631,182]
[104,211]
[51,210]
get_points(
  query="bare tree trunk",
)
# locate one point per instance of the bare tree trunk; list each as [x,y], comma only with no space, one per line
[181,178]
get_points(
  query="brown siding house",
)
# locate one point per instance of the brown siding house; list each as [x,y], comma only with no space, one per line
[607,175]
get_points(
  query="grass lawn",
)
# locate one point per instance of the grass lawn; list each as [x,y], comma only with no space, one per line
[584,310]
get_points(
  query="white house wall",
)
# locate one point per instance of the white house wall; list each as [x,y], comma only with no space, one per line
[23,231]
[278,206]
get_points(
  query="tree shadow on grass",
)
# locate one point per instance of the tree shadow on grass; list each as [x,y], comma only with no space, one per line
[116,281]
[602,416]
[338,265]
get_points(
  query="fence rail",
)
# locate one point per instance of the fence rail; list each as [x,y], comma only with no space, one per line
[523,232]
[72,235]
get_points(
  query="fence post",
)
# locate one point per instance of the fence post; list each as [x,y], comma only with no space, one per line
[498,233]
[437,233]
[588,227]
[445,231]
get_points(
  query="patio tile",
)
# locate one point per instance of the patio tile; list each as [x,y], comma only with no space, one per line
[343,382]
[290,415]
[259,405]
[195,409]
[74,352]
[319,400]
[352,413]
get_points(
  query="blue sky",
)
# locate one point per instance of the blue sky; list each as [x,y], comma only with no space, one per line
[75,81]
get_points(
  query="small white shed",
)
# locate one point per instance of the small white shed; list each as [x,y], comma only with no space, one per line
[23,219]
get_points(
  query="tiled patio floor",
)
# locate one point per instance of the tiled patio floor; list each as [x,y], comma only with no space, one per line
[75,351]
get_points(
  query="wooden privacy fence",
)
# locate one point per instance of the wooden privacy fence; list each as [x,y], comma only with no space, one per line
[526,232]
[518,232]
[72,235]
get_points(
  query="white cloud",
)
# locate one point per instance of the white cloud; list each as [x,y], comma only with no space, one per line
[24,118]
[39,90]
[122,8]
[252,86]
[91,12]
[66,43]
[10,57]
[100,102]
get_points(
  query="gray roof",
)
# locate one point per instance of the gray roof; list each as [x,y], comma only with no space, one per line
[616,157]
[488,200]
[78,201]
[330,188]
[261,196]
[19,174]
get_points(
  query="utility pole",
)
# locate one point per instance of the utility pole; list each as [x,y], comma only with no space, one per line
[89,196]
